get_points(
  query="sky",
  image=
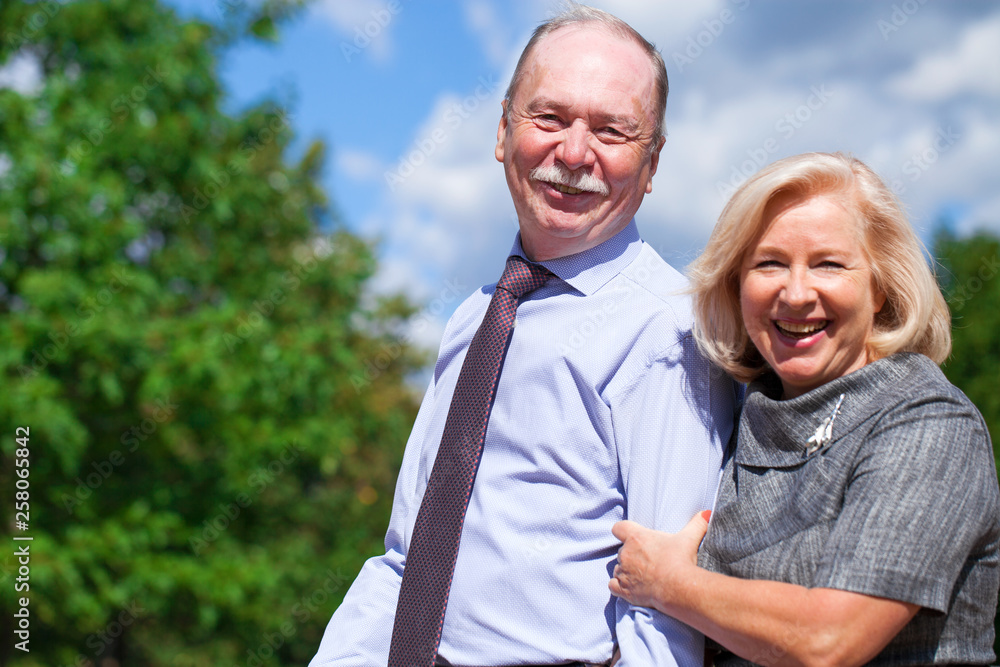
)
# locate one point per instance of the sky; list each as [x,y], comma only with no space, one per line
[406,96]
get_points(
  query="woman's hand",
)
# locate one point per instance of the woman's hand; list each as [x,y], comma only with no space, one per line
[755,619]
[651,563]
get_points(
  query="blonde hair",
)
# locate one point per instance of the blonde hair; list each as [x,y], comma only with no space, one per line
[915,317]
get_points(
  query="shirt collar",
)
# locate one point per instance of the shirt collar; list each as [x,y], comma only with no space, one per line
[591,269]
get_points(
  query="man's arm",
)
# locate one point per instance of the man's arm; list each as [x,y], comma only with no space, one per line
[360,630]
[671,425]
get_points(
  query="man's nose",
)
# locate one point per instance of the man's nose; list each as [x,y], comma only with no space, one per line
[574,150]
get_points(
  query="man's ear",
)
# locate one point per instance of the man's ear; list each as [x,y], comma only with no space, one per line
[654,162]
[501,131]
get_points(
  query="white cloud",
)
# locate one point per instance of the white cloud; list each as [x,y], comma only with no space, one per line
[493,33]
[22,73]
[713,148]
[347,16]
[669,25]
[461,194]
[448,220]
[966,172]
[986,215]
[359,165]
[740,107]
[970,67]
[365,25]
[452,158]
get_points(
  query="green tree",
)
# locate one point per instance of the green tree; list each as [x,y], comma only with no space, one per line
[970,279]
[216,406]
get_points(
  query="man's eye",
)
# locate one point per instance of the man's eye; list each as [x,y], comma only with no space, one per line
[612,131]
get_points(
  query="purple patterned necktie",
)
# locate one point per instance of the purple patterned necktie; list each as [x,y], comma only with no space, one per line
[430,562]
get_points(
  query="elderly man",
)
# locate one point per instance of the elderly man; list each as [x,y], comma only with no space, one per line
[534,439]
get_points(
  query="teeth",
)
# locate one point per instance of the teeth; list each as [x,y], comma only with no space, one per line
[566,189]
[802,328]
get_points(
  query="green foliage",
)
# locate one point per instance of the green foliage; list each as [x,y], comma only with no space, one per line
[970,280]
[186,334]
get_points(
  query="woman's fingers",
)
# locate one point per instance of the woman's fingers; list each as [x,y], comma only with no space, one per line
[697,526]
[615,587]
[648,557]
[625,529]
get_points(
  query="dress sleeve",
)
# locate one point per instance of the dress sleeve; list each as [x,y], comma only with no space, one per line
[670,426]
[922,493]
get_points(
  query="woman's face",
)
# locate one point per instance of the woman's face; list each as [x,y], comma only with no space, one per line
[807,292]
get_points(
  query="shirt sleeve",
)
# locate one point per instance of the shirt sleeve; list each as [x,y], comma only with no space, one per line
[670,425]
[359,633]
[922,493]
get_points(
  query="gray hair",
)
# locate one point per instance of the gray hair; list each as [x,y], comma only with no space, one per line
[578,14]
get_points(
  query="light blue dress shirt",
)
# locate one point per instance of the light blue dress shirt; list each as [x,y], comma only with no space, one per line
[604,411]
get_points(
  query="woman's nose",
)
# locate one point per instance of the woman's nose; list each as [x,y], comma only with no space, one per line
[798,291]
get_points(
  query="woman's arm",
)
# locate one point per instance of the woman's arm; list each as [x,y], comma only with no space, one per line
[768,622]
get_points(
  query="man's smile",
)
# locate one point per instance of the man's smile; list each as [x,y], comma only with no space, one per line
[565,189]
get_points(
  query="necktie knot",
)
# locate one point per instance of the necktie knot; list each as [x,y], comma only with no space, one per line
[521,276]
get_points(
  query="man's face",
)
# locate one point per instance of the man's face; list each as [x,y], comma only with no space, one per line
[576,148]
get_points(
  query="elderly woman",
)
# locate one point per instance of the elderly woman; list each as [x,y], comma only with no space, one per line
[857,518]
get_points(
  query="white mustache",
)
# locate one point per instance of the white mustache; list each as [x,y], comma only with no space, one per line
[556,173]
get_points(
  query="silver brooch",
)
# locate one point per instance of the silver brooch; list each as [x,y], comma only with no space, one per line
[824,432]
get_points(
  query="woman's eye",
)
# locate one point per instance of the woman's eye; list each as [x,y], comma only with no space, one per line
[767,263]
[830,265]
